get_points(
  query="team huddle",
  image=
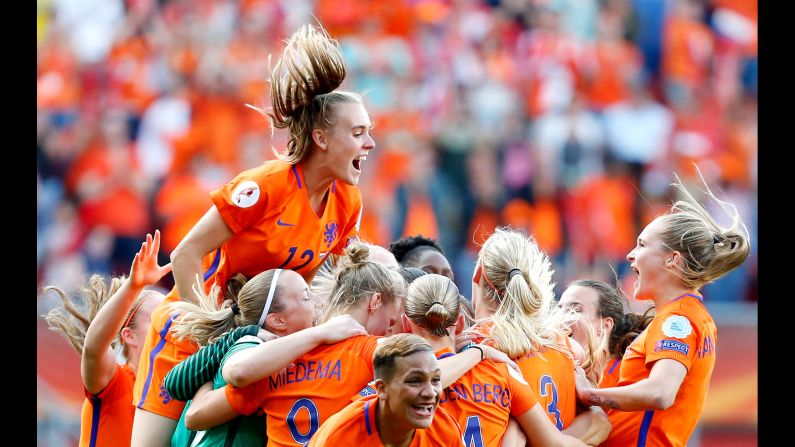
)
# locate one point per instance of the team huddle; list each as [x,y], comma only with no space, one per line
[285,328]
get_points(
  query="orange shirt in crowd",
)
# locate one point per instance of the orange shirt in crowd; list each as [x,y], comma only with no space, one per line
[686,50]
[355,425]
[542,220]
[302,396]
[614,63]
[684,331]
[179,204]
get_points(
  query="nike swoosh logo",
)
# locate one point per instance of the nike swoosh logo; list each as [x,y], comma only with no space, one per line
[284,224]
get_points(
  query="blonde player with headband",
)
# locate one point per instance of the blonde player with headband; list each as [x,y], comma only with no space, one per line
[288,213]
[118,316]
[278,301]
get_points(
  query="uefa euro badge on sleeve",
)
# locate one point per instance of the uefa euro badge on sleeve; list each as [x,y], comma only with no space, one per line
[676,326]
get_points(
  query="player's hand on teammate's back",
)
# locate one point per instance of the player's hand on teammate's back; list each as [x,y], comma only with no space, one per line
[490,353]
[339,328]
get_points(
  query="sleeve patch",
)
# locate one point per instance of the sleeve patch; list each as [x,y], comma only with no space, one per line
[672,345]
[246,194]
[676,326]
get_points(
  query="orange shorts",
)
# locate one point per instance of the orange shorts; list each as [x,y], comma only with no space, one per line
[160,353]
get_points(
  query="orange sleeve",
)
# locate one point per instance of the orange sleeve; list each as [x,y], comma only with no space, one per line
[243,201]
[246,400]
[671,336]
[522,396]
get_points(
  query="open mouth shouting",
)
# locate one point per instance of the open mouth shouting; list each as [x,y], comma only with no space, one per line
[357,163]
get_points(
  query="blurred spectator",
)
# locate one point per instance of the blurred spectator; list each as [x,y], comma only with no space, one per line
[687,52]
[569,144]
[611,65]
[638,131]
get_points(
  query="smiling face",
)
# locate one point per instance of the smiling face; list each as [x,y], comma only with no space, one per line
[414,390]
[348,142]
[648,260]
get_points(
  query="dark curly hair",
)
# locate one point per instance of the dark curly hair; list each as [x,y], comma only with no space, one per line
[407,250]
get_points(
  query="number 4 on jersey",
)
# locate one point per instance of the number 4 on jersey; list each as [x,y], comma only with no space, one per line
[473,435]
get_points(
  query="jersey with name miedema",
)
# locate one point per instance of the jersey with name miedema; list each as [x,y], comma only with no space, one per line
[683,331]
[274,226]
[484,399]
[300,397]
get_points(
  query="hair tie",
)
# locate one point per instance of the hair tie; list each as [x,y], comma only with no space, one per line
[513,272]
[235,309]
[268,301]
[437,302]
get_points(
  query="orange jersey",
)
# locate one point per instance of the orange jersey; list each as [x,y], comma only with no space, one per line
[610,374]
[551,378]
[274,226]
[483,400]
[355,425]
[107,417]
[683,331]
[550,373]
[300,397]
[161,353]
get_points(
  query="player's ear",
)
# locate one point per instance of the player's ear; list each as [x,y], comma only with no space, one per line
[319,138]
[404,321]
[380,389]
[375,302]
[275,321]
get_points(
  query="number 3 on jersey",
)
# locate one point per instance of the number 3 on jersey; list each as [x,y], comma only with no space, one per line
[547,387]
[473,434]
[314,420]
